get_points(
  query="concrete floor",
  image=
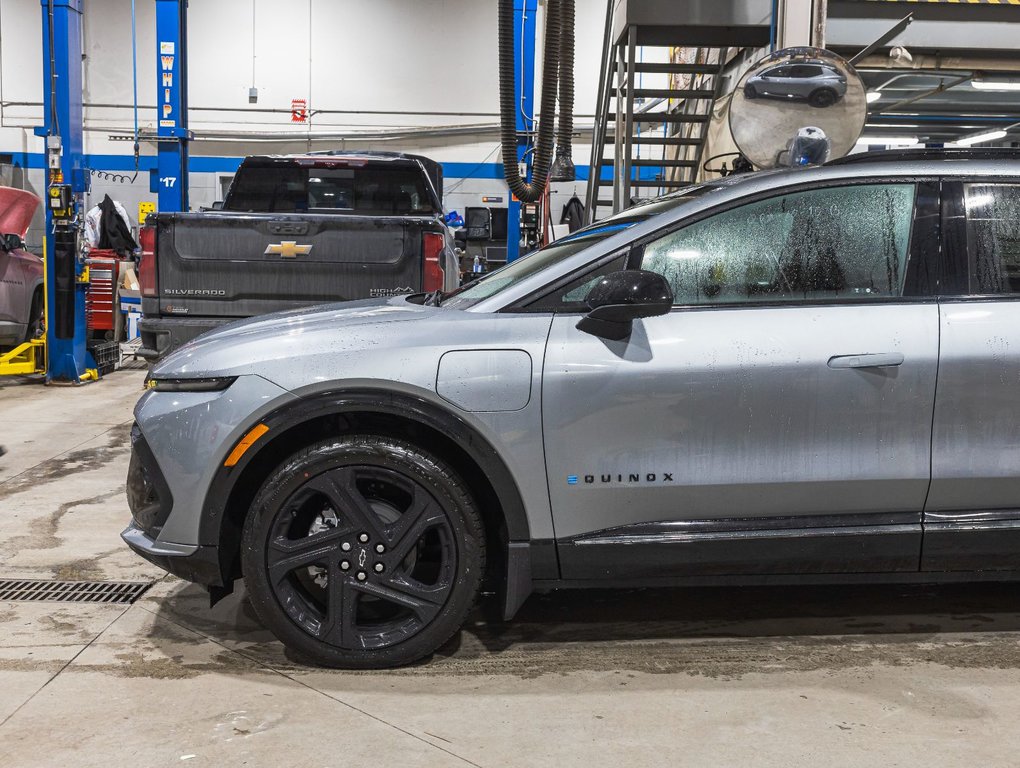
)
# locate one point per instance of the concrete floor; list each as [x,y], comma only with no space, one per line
[877,676]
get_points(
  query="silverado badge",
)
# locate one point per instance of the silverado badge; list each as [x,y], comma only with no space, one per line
[288,249]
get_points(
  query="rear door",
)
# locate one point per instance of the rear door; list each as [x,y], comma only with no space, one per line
[972,517]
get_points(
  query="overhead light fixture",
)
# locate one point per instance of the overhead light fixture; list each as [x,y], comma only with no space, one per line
[980,138]
[996,85]
[874,96]
[889,141]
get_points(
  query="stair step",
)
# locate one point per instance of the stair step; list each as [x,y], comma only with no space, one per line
[662,117]
[645,163]
[665,141]
[671,93]
[671,68]
[648,183]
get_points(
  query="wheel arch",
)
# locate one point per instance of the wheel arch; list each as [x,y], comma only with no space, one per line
[391,414]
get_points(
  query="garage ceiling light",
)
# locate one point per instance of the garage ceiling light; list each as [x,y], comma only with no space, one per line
[996,85]
[967,141]
[874,96]
[889,141]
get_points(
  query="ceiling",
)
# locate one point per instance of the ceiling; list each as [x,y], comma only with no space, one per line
[941,105]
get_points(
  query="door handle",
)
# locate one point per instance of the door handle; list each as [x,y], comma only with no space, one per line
[874,360]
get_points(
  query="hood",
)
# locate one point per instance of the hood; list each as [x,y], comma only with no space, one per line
[17,207]
[246,341]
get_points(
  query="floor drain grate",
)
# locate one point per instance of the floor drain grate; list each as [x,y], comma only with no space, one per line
[110,592]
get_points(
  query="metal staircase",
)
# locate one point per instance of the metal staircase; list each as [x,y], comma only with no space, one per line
[652,117]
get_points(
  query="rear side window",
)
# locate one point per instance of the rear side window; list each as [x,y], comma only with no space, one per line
[834,243]
[370,190]
[993,237]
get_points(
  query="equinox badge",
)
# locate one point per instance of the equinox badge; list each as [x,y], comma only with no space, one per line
[288,249]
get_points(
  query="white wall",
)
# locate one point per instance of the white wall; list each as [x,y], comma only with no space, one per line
[365,64]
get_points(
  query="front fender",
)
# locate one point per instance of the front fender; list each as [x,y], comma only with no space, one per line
[226,502]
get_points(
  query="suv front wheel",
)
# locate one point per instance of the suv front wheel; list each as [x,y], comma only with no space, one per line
[363,552]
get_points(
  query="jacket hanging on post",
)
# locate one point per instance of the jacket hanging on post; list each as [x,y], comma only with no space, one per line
[573,214]
[114,233]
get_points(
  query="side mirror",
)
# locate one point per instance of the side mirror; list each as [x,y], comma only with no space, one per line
[12,242]
[620,298]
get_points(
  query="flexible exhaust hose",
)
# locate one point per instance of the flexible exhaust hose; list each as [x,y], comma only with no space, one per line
[564,134]
[528,193]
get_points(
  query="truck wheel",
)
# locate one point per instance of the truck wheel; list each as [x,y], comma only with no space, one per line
[363,552]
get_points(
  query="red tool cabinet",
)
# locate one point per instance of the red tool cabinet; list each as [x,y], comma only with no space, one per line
[101,307]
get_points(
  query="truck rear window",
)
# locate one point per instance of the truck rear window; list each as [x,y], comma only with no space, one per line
[367,190]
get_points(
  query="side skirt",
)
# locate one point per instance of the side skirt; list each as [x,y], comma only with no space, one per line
[764,580]
[987,540]
[865,543]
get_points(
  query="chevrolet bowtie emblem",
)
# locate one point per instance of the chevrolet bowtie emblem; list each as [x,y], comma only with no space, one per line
[288,249]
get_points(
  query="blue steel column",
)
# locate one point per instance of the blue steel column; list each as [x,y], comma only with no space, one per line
[67,358]
[525,13]
[170,181]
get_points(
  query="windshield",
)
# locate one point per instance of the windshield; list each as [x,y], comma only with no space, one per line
[368,189]
[536,261]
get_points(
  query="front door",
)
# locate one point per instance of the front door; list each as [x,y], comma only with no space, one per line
[778,420]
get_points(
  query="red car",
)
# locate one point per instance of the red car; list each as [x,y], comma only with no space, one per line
[21,273]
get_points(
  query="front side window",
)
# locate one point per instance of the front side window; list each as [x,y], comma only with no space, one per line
[836,243]
[993,237]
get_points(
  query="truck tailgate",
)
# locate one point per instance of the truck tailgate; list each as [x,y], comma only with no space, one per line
[240,265]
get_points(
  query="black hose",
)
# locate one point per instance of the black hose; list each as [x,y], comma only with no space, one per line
[564,134]
[528,193]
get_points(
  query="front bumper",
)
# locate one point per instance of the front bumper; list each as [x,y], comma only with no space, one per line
[191,562]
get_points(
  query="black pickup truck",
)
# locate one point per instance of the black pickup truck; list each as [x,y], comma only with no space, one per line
[294,231]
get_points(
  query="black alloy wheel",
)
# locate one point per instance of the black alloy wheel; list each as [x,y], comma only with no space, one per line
[823,97]
[750,92]
[363,552]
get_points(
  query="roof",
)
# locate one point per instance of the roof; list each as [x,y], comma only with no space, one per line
[928,155]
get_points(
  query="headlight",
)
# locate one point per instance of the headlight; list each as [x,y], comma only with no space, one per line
[190,385]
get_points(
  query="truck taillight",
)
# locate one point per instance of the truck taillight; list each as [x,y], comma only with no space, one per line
[432,246]
[147,263]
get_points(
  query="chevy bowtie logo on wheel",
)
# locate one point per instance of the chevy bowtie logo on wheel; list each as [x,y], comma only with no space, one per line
[634,477]
[288,249]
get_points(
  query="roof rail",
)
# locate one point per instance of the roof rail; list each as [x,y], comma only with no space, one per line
[946,153]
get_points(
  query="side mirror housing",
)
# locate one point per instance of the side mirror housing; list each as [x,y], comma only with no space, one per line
[11,242]
[620,298]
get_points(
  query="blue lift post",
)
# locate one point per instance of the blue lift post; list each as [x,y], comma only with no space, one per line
[525,13]
[169,181]
[67,358]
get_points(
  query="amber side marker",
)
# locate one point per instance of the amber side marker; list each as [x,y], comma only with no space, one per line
[246,442]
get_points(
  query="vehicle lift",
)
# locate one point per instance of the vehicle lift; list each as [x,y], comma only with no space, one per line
[62,354]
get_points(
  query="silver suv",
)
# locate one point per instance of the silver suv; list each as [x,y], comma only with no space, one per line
[816,82]
[784,376]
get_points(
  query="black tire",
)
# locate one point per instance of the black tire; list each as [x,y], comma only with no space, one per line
[313,516]
[823,97]
[750,92]
[34,328]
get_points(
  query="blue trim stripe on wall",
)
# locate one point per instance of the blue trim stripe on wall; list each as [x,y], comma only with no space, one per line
[205,164]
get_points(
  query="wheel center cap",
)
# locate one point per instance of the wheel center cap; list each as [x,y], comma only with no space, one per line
[362,557]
